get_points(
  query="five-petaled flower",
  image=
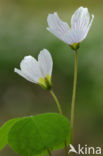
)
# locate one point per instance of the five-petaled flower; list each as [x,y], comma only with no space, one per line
[80,25]
[37,71]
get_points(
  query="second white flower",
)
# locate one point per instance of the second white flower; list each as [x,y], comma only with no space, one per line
[37,71]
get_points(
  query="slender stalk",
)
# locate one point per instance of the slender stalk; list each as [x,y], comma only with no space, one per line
[49,152]
[74,94]
[57,101]
[60,111]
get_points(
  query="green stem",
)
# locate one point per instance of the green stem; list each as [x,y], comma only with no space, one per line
[49,152]
[74,94]
[57,101]
[60,111]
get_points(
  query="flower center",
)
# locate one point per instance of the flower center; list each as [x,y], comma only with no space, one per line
[45,82]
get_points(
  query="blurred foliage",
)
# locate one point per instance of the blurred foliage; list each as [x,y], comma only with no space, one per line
[23,32]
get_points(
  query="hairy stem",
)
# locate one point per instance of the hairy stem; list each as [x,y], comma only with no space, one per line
[74,95]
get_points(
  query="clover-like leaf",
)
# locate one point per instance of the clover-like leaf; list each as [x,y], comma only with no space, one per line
[4,130]
[35,135]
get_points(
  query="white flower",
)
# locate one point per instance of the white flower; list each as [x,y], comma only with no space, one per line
[80,25]
[37,71]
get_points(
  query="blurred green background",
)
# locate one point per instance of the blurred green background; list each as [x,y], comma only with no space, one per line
[23,32]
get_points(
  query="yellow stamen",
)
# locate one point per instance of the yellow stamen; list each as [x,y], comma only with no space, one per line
[45,82]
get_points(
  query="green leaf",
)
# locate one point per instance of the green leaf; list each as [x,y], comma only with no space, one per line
[32,136]
[4,130]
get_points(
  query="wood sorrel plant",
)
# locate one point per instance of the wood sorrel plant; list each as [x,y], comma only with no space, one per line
[41,134]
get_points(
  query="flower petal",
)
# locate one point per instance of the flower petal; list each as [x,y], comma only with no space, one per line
[30,69]
[45,63]
[23,75]
[57,26]
[80,19]
[80,24]
[73,36]
[88,28]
